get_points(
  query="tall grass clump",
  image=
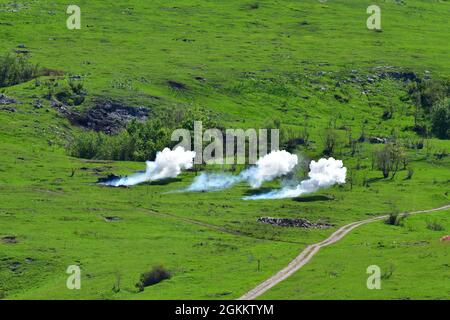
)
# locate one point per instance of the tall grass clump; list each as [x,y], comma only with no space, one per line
[15,69]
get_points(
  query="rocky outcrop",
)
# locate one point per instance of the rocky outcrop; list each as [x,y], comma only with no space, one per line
[296,223]
[106,115]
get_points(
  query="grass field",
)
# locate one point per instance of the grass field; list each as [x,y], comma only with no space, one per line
[305,63]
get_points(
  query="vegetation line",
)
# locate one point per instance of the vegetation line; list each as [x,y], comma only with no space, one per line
[306,255]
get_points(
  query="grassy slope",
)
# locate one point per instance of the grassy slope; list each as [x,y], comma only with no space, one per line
[59,220]
[418,261]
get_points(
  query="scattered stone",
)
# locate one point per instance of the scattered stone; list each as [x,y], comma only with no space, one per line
[9,109]
[111,219]
[14,266]
[400,75]
[38,104]
[5,100]
[296,223]
[377,140]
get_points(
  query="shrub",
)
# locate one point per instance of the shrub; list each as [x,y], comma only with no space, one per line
[440,119]
[427,93]
[410,174]
[71,93]
[15,69]
[330,142]
[152,277]
[435,226]
[98,145]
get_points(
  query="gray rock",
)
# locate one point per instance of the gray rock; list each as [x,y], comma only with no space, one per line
[296,223]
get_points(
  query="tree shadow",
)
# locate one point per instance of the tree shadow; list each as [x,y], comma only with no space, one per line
[257,192]
[163,182]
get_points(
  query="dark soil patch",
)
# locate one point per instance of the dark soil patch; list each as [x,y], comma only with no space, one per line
[296,223]
[176,85]
[112,219]
[9,239]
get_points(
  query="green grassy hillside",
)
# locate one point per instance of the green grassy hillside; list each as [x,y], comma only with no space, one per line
[311,66]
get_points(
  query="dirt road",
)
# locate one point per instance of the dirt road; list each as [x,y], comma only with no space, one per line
[305,256]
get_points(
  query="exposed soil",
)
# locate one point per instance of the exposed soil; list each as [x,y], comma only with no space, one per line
[105,116]
[9,239]
[176,85]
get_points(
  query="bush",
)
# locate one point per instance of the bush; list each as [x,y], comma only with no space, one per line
[152,277]
[330,142]
[427,93]
[395,219]
[435,226]
[15,69]
[98,145]
[440,119]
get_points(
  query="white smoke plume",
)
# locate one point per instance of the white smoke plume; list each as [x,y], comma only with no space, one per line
[323,174]
[271,166]
[168,164]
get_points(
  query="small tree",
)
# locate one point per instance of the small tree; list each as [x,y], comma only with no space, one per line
[389,158]
[330,142]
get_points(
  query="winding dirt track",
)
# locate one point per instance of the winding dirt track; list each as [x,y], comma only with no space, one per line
[305,256]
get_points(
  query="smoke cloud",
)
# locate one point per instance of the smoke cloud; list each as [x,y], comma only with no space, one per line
[168,164]
[271,166]
[323,174]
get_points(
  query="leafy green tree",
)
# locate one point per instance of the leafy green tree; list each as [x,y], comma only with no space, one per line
[440,119]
